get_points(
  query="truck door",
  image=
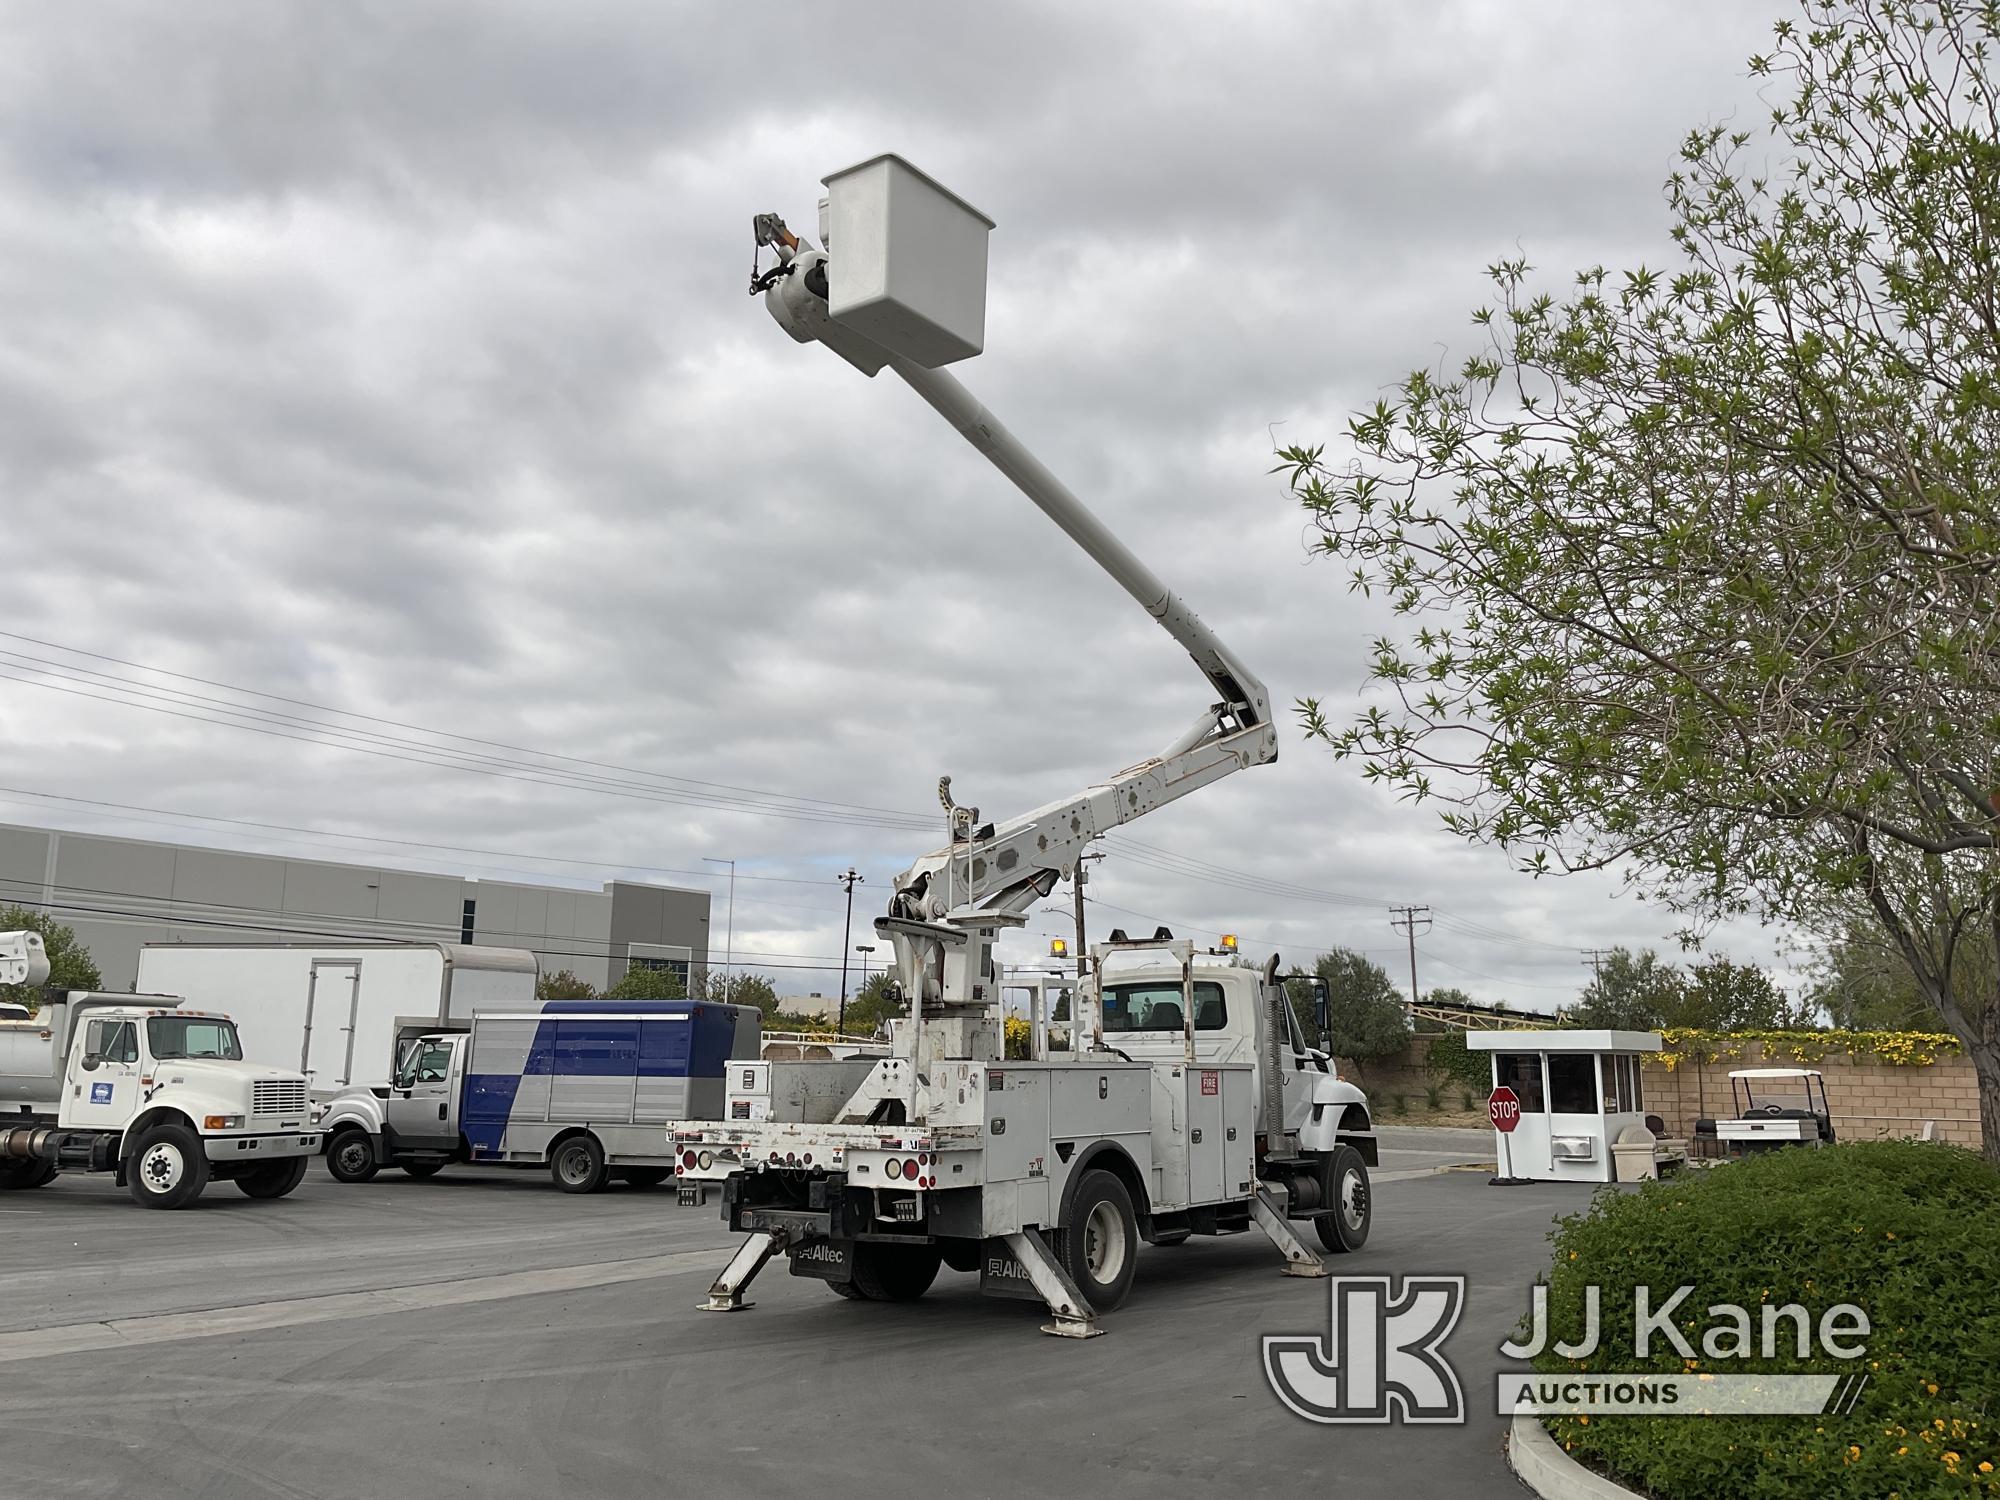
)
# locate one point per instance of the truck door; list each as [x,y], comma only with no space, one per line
[103,1076]
[333,999]
[422,1110]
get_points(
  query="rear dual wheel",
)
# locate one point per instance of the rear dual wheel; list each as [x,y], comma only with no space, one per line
[577,1165]
[26,1174]
[1344,1186]
[1098,1244]
[885,1272]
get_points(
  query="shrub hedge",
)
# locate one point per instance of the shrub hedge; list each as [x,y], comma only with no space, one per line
[1909,1231]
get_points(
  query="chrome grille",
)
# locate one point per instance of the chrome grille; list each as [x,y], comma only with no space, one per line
[278,1096]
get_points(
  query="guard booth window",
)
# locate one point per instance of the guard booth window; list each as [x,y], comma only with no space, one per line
[1521,1072]
[1572,1083]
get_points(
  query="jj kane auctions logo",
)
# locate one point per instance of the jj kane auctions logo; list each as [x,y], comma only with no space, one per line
[1381,1358]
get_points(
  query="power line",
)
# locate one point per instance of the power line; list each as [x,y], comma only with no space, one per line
[438,733]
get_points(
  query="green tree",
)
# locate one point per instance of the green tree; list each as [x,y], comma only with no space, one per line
[1699,568]
[1863,984]
[70,965]
[870,1008]
[642,983]
[1629,992]
[562,985]
[740,989]
[1448,1059]
[1719,994]
[1365,1017]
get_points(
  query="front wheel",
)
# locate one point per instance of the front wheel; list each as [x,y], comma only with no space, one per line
[167,1168]
[274,1179]
[578,1165]
[350,1156]
[1098,1244]
[1344,1184]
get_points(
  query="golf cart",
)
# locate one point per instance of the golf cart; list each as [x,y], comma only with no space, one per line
[1774,1107]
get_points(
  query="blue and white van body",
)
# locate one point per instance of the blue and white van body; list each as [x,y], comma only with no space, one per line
[585,1087]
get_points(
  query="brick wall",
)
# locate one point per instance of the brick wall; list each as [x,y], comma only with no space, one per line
[1870,1099]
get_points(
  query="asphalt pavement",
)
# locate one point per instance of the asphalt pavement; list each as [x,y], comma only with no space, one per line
[483,1334]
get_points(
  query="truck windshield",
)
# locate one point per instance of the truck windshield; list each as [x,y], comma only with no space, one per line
[1158,1007]
[192,1036]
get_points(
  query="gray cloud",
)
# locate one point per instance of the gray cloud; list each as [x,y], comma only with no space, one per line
[395,356]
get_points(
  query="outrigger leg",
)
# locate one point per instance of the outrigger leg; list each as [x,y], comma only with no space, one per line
[750,1258]
[1074,1318]
[1299,1261]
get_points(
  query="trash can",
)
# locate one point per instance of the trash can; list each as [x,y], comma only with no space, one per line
[1632,1154]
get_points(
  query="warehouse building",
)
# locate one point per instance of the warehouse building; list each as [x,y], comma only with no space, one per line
[120,894]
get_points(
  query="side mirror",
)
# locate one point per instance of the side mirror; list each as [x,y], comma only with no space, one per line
[90,1062]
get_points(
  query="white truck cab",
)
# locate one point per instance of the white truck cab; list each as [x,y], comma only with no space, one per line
[144,1087]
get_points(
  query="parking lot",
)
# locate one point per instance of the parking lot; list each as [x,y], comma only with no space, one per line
[483,1334]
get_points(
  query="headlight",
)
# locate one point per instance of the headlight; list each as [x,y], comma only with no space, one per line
[222,1122]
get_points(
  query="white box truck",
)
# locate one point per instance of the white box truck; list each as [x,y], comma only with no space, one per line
[340,1013]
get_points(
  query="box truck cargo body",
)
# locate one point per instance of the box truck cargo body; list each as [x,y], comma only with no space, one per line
[338,1013]
[586,1088]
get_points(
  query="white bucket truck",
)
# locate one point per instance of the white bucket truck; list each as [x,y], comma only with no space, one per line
[1189,1103]
[143,1087]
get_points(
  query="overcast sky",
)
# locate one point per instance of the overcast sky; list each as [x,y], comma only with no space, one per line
[395,358]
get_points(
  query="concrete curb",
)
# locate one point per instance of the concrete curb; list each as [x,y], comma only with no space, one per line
[1543,1467]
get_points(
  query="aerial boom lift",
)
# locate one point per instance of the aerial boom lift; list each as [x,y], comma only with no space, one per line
[949,905]
[1205,1114]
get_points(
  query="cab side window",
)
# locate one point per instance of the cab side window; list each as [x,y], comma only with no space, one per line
[112,1041]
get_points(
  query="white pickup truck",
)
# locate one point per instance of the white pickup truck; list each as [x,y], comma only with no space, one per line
[143,1087]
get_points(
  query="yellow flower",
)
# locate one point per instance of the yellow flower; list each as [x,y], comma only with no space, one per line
[1901,1451]
[1986,1467]
[1932,1388]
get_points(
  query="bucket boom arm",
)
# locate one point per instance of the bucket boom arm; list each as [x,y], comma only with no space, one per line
[987,876]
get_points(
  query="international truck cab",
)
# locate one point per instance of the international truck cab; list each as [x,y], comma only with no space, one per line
[148,1089]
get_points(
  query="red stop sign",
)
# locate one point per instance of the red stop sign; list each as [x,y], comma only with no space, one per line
[1503,1105]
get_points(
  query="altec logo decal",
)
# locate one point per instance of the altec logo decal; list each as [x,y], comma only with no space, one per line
[1379,1361]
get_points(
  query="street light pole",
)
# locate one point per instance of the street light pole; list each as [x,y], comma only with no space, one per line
[864,949]
[729,941]
[851,879]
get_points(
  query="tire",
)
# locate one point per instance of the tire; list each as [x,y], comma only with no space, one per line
[167,1167]
[422,1169]
[893,1273]
[848,1290]
[1344,1182]
[1098,1244]
[960,1255]
[23,1175]
[644,1177]
[274,1180]
[577,1164]
[351,1156]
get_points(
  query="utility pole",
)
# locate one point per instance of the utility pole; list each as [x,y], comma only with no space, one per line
[1407,918]
[1595,958]
[851,879]
[729,942]
[1082,944]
